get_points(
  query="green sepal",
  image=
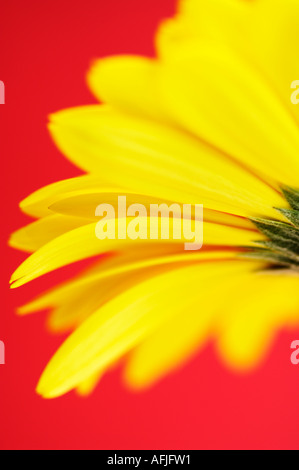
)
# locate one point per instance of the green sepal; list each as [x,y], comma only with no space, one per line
[292,196]
[282,234]
[291,214]
[271,257]
[282,250]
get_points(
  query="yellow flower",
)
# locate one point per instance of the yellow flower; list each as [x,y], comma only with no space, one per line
[209,121]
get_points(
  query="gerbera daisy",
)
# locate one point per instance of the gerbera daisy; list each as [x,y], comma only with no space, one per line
[209,121]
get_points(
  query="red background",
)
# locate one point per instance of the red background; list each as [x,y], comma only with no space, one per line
[46,48]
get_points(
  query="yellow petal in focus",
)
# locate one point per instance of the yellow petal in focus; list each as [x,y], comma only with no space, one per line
[33,236]
[160,162]
[37,204]
[83,205]
[82,243]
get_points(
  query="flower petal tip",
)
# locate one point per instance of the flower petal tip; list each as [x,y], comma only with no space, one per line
[45,391]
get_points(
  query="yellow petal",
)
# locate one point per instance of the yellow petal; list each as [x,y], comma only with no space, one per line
[159,161]
[267,33]
[223,100]
[33,236]
[82,243]
[275,44]
[135,92]
[246,314]
[219,21]
[88,385]
[83,205]
[123,322]
[37,204]
[256,311]
[184,334]
[74,301]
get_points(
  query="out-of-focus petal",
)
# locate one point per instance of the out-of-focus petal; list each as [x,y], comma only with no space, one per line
[125,321]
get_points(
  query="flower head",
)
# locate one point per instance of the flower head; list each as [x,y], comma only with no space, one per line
[209,121]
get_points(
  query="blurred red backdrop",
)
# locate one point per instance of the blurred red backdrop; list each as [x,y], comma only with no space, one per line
[46,48]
